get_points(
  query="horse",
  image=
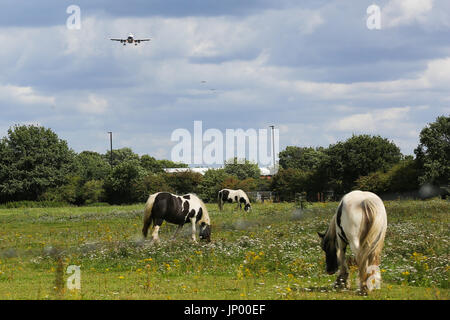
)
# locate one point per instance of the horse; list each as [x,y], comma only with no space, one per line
[230,196]
[164,206]
[361,222]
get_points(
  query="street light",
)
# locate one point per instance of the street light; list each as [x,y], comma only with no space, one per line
[111,155]
[273,146]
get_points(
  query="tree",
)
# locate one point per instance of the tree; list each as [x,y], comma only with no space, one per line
[121,184]
[92,191]
[358,156]
[184,182]
[211,184]
[243,170]
[152,183]
[92,166]
[151,164]
[120,156]
[433,152]
[307,159]
[287,182]
[402,177]
[32,160]
[170,164]
[249,184]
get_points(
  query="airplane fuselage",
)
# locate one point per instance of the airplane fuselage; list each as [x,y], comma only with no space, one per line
[130,39]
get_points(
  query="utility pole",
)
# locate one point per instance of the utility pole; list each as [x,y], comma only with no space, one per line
[273,147]
[111,149]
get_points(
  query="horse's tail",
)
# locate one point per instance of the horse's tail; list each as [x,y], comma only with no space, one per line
[219,200]
[373,226]
[148,214]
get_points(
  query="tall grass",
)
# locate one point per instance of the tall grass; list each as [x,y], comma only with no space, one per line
[272,252]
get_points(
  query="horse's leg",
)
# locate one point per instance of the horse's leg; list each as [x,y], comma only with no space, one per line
[369,274]
[147,224]
[193,221]
[342,278]
[176,231]
[362,268]
[155,235]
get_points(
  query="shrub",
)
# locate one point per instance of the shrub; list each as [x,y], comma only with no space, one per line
[184,182]
[120,186]
[150,184]
[211,184]
[92,192]
[402,177]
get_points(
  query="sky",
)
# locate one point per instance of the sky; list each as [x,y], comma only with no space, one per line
[313,69]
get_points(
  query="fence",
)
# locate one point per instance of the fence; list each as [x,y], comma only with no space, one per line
[261,196]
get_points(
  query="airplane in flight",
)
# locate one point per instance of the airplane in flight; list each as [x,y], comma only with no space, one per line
[130,40]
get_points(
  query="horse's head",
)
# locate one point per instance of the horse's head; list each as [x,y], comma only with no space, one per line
[247,207]
[328,244]
[205,232]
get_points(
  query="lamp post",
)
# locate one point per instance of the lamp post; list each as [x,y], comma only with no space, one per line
[273,147]
[111,149]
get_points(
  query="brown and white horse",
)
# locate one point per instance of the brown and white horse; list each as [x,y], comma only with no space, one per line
[164,206]
[360,222]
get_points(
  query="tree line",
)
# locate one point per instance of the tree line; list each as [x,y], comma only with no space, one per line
[35,165]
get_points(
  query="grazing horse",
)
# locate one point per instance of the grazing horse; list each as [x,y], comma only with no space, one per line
[361,222]
[230,196]
[178,210]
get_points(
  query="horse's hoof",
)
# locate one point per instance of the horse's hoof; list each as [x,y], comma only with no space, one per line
[363,292]
[340,285]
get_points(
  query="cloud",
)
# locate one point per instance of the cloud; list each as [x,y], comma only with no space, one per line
[23,95]
[404,12]
[94,105]
[312,68]
[372,121]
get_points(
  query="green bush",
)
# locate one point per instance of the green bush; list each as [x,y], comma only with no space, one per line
[92,192]
[150,184]
[211,184]
[184,182]
[402,177]
[287,182]
[121,185]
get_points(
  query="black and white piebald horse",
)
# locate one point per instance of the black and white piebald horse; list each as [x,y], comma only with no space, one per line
[164,206]
[361,222]
[230,196]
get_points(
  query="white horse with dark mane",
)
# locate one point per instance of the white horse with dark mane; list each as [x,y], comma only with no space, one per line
[164,206]
[230,196]
[361,222]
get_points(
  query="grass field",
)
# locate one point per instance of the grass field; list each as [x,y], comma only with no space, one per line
[271,253]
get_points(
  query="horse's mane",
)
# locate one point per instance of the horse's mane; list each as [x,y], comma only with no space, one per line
[330,234]
[332,227]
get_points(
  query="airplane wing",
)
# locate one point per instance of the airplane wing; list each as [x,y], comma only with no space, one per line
[121,40]
[141,40]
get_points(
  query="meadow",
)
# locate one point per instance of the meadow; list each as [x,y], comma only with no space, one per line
[273,252]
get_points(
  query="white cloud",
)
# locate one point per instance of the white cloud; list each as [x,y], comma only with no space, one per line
[398,124]
[94,105]
[157,85]
[24,95]
[372,121]
[405,12]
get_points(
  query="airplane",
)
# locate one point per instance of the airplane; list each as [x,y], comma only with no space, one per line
[130,40]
